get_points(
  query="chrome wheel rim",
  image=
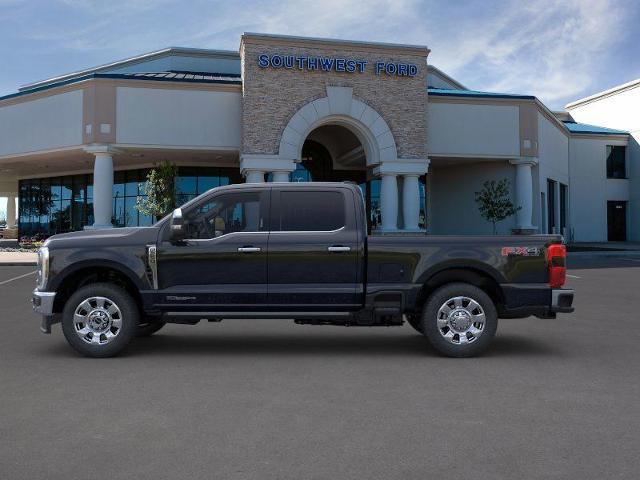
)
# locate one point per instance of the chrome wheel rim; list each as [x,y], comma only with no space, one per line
[97,320]
[461,320]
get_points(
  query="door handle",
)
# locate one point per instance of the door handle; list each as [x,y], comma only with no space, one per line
[248,249]
[339,248]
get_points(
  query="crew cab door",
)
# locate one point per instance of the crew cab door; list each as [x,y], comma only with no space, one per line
[222,263]
[313,250]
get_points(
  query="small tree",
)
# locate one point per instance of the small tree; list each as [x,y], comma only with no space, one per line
[494,202]
[160,191]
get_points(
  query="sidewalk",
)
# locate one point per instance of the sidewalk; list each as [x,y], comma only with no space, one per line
[18,259]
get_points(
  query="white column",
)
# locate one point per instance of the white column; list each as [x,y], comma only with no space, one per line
[102,185]
[11,212]
[254,176]
[524,192]
[389,202]
[280,176]
[411,202]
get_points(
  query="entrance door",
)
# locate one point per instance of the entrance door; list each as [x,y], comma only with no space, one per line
[617,221]
[222,264]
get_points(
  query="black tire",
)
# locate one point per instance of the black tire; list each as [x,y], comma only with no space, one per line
[148,327]
[128,315]
[450,348]
[415,321]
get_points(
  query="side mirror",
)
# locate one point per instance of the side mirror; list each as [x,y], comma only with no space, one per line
[176,226]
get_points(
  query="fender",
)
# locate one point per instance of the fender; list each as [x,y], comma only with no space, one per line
[461,263]
[58,278]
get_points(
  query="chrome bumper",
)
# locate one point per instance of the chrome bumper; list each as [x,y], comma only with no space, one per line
[42,302]
[562,300]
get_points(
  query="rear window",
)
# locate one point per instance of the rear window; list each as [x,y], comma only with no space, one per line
[311,211]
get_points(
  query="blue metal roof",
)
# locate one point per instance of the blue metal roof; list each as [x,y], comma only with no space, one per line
[188,77]
[445,92]
[585,128]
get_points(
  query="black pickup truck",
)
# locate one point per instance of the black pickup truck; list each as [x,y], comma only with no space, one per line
[297,251]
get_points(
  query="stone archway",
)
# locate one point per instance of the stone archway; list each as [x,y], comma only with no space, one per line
[340,108]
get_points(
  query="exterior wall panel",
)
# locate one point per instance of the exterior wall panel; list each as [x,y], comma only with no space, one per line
[467,129]
[42,124]
[590,188]
[171,117]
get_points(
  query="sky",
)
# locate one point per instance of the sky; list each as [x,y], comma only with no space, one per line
[557,50]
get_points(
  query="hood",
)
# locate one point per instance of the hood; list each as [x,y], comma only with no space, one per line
[104,237]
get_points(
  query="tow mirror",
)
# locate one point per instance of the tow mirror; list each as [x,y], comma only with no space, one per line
[176,226]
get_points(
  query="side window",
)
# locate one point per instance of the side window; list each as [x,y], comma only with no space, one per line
[304,211]
[224,214]
[616,165]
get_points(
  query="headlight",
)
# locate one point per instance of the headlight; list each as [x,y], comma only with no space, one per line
[43,267]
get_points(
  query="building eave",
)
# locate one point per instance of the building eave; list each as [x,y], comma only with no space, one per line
[115,76]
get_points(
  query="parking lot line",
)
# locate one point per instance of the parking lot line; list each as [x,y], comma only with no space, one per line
[573,276]
[18,277]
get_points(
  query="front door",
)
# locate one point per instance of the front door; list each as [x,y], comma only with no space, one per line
[314,254]
[617,221]
[222,264]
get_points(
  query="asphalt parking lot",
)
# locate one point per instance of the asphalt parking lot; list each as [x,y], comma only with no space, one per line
[273,400]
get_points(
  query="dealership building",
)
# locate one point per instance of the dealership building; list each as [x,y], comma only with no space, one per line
[75,150]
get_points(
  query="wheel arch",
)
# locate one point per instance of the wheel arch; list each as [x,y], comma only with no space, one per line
[473,273]
[95,271]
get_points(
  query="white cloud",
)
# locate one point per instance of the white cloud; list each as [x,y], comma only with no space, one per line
[546,48]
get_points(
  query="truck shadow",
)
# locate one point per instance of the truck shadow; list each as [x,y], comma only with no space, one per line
[410,345]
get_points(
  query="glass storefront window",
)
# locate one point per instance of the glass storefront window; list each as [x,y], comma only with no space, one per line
[61,204]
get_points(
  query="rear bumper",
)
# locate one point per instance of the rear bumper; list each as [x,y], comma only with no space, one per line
[521,300]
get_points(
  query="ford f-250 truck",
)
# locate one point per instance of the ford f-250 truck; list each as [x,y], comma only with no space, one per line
[297,251]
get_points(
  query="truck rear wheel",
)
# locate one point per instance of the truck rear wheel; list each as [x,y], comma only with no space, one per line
[459,320]
[99,320]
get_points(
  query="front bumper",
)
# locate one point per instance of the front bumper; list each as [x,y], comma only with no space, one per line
[42,303]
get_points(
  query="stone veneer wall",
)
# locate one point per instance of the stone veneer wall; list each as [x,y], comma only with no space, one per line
[271,96]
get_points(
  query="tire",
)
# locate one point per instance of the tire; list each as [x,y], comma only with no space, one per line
[415,321]
[106,320]
[148,327]
[459,310]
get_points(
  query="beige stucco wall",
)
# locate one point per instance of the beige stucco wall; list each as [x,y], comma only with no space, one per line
[271,96]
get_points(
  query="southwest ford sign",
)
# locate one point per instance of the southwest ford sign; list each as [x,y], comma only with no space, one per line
[333,64]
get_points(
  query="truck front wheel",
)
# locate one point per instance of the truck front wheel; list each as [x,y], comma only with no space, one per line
[100,319]
[459,320]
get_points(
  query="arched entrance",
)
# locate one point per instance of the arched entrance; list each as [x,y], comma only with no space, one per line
[333,153]
[340,138]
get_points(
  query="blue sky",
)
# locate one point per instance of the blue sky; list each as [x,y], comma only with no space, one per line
[557,50]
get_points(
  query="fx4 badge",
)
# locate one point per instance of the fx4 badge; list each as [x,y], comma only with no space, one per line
[521,251]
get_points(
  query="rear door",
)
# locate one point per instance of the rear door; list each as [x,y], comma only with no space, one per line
[313,250]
